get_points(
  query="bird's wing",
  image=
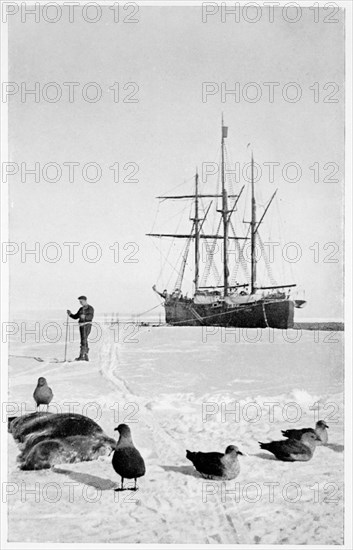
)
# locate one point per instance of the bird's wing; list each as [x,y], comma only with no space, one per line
[280,448]
[128,462]
[209,463]
[296,434]
[294,447]
[292,434]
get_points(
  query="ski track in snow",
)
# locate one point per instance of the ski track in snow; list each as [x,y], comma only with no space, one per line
[167,447]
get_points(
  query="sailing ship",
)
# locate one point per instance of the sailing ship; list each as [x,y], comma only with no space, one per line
[230,303]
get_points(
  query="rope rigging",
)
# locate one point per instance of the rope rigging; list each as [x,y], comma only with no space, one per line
[267,262]
[180,277]
[241,259]
[166,256]
[211,257]
[210,263]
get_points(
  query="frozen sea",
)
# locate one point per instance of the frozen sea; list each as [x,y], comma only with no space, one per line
[161,380]
[246,363]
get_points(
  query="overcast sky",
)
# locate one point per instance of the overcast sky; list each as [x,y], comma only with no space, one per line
[169,131]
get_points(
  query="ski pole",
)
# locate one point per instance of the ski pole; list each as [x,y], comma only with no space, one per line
[66,333]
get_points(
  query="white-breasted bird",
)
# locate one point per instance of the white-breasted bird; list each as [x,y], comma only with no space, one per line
[320,430]
[42,394]
[217,465]
[293,450]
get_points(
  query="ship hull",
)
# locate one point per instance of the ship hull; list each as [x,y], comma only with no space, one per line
[262,314]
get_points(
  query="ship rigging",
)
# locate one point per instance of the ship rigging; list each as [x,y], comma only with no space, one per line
[227,303]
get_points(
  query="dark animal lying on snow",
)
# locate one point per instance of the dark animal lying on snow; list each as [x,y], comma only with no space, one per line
[48,439]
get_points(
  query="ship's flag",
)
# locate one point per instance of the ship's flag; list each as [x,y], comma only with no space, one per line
[224,131]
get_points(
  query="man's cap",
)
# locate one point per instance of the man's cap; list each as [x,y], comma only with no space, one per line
[82,298]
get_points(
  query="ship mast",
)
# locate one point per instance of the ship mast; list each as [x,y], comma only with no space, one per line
[197,232]
[224,216]
[253,229]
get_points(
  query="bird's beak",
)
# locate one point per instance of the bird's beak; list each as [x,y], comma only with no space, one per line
[326,426]
[240,453]
[115,429]
[318,438]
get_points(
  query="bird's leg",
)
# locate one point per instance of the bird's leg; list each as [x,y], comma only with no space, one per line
[121,488]
[135,488]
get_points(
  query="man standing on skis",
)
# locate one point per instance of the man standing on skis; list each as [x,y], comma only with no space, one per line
[85,316]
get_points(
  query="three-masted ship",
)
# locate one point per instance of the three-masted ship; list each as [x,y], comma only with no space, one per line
[246,304]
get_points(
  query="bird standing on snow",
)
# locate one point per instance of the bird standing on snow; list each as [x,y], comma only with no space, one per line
[42,394]
[320,430]
[127,461]
[293,450]
[217,465]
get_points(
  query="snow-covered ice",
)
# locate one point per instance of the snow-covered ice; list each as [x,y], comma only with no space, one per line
[178,389]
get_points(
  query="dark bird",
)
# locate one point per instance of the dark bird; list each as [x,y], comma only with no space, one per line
[320,430]
[292,450]
[127,461]
[42,394]
[217,465]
